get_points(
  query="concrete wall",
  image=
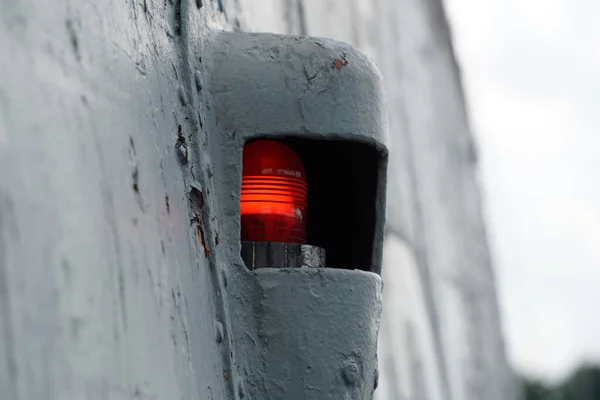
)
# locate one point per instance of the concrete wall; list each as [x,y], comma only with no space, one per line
[107,290]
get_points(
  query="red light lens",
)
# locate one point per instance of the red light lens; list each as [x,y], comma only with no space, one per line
[273,198]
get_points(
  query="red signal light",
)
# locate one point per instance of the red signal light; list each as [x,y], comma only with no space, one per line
[273,197]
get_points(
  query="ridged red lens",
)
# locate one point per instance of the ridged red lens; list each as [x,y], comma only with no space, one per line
[273,198]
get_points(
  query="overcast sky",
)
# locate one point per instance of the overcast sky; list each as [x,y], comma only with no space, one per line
[531,70]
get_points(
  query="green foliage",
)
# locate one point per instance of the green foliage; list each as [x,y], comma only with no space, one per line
[535,390]
[582,384]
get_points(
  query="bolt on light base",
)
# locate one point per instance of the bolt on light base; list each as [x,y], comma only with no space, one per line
[282,255]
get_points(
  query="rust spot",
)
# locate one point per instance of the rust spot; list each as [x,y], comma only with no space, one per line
[196,210]
[217,240]
[226,377]
[200,232]
[339,63]
[201,200]
[201,239]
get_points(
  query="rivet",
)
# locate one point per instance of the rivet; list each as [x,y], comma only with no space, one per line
[198,79]
[224,277]
[241,390]
[182,96]
[350,373]
[219,334]
[182,152]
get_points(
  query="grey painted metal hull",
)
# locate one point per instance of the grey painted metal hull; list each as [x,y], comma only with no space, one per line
[106,288]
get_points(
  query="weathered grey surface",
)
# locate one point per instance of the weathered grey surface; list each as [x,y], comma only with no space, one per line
[334,359]
[105,291]
[264,84]
[100,98]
